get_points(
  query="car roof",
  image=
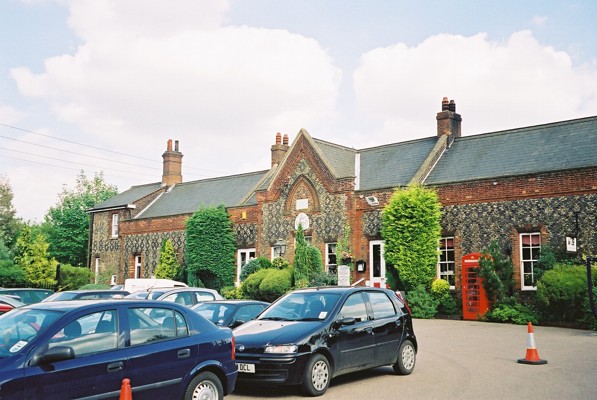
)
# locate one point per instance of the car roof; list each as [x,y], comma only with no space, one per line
[340,289]
[24,289]
[67,306]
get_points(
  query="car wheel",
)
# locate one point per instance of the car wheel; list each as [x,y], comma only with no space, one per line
[407,357]
[317,375]
[205,386]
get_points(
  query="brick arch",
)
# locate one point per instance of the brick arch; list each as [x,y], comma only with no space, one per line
[301,185]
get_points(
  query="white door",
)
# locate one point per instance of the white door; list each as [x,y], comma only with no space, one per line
[377,263]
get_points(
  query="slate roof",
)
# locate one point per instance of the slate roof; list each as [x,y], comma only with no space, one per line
[393,165]
[128,197]
[186,198]
[543,148]
[340,158]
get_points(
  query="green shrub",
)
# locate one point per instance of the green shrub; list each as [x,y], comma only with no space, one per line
[422,303]
[276,283]
[231,292]
[440,290]
[323,278]
[280,263]
[250,286]
[562,293]
[73,278]
[253,265]
[510,310]
[94,286]
[11,275]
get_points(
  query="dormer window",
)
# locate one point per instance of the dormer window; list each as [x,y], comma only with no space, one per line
[114,230]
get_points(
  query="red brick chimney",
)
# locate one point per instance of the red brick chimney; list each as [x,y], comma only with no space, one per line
[172,173]
[279,149]
[448,121]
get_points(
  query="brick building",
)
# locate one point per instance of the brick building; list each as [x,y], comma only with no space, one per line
[525,188]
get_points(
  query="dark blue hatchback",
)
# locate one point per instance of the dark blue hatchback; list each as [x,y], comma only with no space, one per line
[311,335]
[84,349]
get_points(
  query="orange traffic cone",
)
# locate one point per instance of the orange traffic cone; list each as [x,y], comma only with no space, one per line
[125,390]
[532,356]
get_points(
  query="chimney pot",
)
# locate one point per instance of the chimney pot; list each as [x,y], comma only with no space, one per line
[445,104]
[169,146]
[278,138]
[176,145]
[285,140]
[452,106]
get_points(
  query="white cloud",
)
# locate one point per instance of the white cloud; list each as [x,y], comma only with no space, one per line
[149,71]
[495,85]
[9,115]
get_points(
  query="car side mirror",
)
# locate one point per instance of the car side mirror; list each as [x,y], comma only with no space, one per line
[345,321]
[58,353]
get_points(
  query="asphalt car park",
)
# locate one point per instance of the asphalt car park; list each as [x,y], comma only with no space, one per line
[84,349]
[471,360]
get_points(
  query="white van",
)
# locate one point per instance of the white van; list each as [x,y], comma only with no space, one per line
[137,284]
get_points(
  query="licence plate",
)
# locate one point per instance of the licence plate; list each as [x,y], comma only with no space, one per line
[246,368]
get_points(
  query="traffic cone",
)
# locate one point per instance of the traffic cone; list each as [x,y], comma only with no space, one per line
[532,356]
[125,390]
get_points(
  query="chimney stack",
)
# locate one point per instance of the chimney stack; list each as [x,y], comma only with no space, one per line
[172,170]
[279,149]
[448,121]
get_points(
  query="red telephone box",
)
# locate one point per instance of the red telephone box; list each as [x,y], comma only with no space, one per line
[474,298]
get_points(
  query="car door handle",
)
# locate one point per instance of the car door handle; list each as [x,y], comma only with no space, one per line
[185,353]
[115,366]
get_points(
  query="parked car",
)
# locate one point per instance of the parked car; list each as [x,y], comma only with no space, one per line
[309,336]
[230,313]
[87,295]
[187,296]
[76,349]
[27,295]
[8,302]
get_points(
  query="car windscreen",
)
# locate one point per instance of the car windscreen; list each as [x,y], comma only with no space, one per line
[302,306]
[21,326]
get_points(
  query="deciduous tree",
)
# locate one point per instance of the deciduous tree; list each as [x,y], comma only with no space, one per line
[67,223]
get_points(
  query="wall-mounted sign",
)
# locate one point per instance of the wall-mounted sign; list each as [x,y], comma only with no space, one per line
[570,244]
[303,220]
[343,275]
[302,204]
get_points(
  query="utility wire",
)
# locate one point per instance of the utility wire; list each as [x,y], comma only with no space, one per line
[93,147]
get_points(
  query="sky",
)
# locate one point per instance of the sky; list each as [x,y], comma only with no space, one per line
[99,86]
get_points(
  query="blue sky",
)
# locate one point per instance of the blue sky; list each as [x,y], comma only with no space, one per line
[101,85]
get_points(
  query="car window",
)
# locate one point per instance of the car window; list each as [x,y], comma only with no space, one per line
[248,312]
[19,327]
[381,304]
[354,307]
[183,298]
[92,333]
[204,296]
[150,324]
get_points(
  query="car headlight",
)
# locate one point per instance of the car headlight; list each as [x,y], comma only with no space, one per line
[281,349]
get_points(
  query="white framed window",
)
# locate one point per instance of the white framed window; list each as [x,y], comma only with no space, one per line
[530,250]
[137,267]
[330,257]
[114,227]
[445,262]
[242,257]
